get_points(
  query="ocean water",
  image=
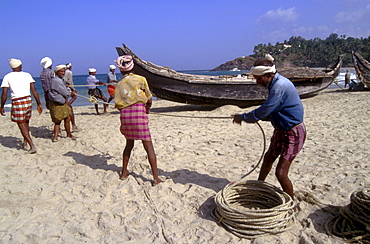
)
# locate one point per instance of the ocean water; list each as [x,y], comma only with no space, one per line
[81,80]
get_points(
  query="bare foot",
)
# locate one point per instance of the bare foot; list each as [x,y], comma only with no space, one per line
[75,128]
[32,150]
[55,139]
[73,137]
[123,176]
[156,182]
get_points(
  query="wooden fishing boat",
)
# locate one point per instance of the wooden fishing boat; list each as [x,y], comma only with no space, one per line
[239,90]
[362,67]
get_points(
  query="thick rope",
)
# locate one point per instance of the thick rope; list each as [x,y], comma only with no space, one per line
[252,208]
[353,221]
[93,99]
[263,151]
[107,84]
[191,117]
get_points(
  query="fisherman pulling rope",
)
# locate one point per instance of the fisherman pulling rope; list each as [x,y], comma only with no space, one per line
[253,208]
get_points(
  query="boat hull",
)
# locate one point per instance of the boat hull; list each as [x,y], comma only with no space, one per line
[362,67]
[219,90]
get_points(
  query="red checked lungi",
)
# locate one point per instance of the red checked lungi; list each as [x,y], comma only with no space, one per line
[134,122]
[287,144]
[21,109]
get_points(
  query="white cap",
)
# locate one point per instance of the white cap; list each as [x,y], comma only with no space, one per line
[91,70]
[14,63]
[59,67]
[46,62]
[112,67]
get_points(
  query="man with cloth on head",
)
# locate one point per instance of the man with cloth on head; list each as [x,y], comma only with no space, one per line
[133,99]
[60,110]
[68,77]
[20,84]
[284,109]
[45,76]
[94,91]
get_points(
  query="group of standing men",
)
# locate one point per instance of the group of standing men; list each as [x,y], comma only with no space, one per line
[59,94]
[283,108]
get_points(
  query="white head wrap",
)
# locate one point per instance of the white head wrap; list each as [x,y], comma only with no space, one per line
[112,67]
[125,63]
[46,62]
[261,70]
[59,67]
[68,65]
[14,63]
[91,70]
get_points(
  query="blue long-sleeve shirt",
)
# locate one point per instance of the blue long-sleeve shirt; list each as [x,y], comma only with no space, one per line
[283,106]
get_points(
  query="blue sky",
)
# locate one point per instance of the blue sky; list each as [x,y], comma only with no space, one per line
[184,35]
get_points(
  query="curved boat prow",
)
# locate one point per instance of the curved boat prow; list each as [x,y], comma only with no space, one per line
[224,90]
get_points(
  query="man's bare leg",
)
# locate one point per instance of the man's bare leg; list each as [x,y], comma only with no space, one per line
[126,158]
[67,126]
[25,131]
[281,173]
[268,161]
[56,131]
[96,108]
[148,146]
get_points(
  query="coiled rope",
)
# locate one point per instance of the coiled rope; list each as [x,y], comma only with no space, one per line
[250,208]
[353,221]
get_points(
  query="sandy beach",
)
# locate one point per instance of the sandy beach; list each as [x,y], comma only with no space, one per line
[70,192]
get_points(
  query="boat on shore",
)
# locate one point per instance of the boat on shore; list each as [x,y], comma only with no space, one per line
[240,90]
[362,67]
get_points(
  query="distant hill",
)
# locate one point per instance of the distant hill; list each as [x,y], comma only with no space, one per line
[298,52]
[246,62]
[242,63]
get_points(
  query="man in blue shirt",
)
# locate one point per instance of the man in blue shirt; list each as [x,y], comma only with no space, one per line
[284,109]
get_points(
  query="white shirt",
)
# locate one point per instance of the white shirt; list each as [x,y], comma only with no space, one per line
[19,84]
[91,82]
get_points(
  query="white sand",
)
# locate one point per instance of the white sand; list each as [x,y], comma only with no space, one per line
[70,192]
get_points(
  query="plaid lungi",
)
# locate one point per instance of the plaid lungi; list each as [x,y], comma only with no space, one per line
[287,144]
[134,122]
[21,109]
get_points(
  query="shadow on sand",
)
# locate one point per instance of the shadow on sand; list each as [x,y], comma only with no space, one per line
[97,161]
[185,176]
[320,216]
[11,142]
